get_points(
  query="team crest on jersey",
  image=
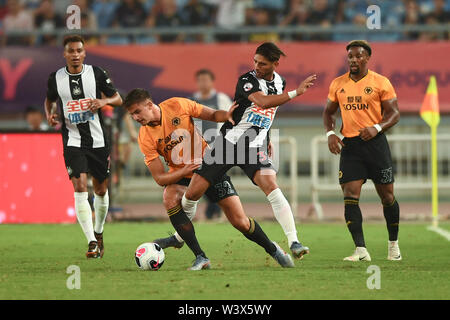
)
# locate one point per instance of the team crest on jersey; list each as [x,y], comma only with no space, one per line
[176,121]
[76,91]
[368,90]
[248,86]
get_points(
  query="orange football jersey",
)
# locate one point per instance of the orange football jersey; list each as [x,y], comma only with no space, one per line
[176,138]
[360,101]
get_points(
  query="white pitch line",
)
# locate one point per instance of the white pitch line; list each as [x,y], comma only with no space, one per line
[442,232]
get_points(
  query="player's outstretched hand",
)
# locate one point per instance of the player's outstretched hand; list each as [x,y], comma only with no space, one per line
[307,83]
[230,112]
[52,119]
[189,168]
[368,133]
[334,144]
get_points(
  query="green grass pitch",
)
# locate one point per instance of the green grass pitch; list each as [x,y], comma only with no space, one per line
[34,259]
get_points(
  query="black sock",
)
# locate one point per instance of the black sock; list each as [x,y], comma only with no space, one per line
[392,216]
[185,229]
[353,218]
[256,234]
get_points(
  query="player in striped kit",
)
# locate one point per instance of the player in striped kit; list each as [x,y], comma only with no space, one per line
[80,90]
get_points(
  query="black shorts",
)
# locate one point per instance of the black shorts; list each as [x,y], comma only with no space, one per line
[217,162]
[87,160]
[221,188]
[366,160]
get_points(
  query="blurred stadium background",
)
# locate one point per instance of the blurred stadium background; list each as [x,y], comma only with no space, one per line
[160,44]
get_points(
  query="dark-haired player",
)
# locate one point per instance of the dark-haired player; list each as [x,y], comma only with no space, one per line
[167,130]
[81,91]
[368,105]
[244,143]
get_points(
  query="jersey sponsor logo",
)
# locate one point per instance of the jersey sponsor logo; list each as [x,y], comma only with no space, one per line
[368,90]
[258,120]
[78,111]
[355,106]
[170,144]
[248,86]
[176,121]
[269,112]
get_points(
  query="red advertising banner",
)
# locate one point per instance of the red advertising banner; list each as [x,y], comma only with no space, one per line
[168,70]
[34,184]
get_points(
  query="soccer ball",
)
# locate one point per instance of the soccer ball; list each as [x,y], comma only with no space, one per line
[149,256]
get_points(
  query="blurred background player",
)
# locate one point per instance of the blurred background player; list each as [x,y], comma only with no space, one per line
[167,130]
[83,90]
[368,106]
[207,95]
[35,119]
[258,95]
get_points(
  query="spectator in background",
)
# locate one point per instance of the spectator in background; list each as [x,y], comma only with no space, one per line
[35,119]
[412,16]
[104,11]
[207,95]
[231,16]
[130,14]
[297,16]
[17,19]
[91,20]
[321,15]
[261,18]
[198,13]
[46,19]
[169,17]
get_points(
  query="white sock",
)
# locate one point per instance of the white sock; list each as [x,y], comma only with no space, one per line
[283,214]
[190,207]
[84,214]
[101,205]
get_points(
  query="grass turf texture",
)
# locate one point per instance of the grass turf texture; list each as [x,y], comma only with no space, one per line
[34,259]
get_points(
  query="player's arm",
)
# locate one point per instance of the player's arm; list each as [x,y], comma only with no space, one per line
[391,115]
[270,101]
[50,112]
[218,115]
[50,106]
[115,100]
[164,178]
[329,122]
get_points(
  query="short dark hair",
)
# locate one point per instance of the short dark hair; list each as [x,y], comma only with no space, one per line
[32,109]
[137,95]
[73,38]
[360,43]
[270,51]
[205,71]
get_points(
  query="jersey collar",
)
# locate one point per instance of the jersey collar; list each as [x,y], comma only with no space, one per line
[66,69]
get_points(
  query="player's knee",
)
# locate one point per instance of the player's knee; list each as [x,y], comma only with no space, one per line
[241,223]
[100,191]
[192,195]
[387,199]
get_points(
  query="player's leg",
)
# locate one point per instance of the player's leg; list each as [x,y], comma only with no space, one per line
[183,225]
[266,180]
[391,211]
[77,168]
[101,207]
[98,163]
[223,192]
[354,219]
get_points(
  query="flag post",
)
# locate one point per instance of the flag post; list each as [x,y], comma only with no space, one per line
[430,114]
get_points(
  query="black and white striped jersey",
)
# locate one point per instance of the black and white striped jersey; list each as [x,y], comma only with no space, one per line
[80,127]
[248,115]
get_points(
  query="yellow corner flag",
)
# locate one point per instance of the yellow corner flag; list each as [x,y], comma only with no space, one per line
[430,106]
[430,114]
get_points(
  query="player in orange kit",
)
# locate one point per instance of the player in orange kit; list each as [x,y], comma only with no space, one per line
[368,105]
[168,130]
